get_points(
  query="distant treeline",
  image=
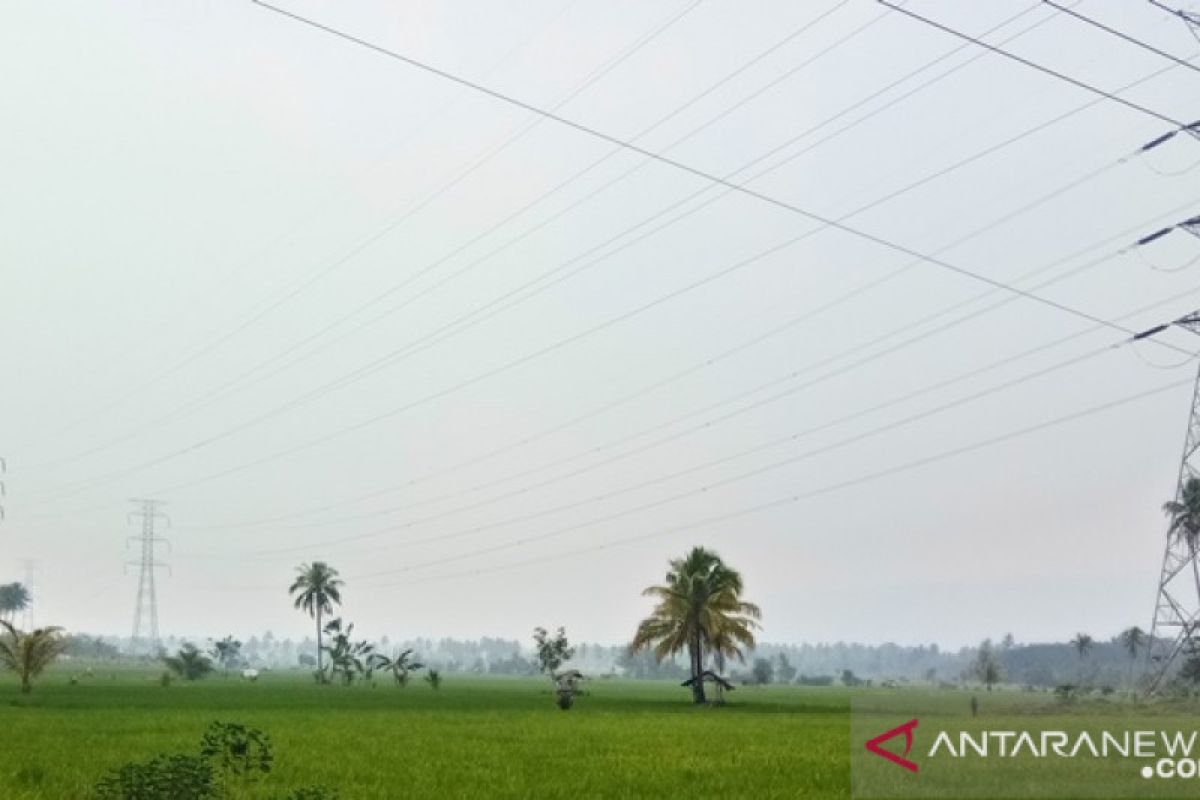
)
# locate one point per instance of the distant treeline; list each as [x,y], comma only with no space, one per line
[1042,665]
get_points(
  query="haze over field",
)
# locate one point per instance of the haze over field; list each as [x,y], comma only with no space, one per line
[250,269]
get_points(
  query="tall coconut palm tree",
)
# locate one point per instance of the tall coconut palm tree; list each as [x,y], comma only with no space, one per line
[316,589]
[1133,640]
[699,609]
[28,654]
[1082,644]
[1184,513]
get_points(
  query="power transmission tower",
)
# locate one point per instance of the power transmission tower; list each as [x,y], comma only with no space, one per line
[3,488]
[1177,605]
[145,614]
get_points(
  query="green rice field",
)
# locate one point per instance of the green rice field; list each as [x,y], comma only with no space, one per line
[479,737]
[474,737]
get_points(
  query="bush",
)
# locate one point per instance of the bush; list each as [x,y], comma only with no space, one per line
[237,751]
[434,678]
[228,751]
[176,777]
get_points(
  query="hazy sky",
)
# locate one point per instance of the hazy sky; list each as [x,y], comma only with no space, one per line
[328,306]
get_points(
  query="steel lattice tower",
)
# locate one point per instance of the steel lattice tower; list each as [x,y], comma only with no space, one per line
[145,614]
[1177,605]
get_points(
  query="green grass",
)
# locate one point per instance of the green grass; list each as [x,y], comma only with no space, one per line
[475,737]
[500,738]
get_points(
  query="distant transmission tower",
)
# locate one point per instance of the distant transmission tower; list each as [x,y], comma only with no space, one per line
[145,614]
[1177,605]
[3,488]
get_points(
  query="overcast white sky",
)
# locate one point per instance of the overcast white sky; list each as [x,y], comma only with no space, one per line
[301,293]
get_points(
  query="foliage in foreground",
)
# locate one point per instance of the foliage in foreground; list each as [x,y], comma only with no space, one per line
[231,757]
[174,777]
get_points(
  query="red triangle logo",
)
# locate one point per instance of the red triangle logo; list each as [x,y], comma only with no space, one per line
[907,730]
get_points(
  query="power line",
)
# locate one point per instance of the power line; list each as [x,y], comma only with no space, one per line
[1032,64]
[731,186]
[211,341]
[957,165]
[696,171]
[826,489]
[706,425]
[886,337]
[259,371]
[1121,35]
[707,487]
[432,339]
[456,387]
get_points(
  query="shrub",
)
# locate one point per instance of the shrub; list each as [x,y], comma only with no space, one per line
[176,777]
[434,678]
[237,751]
[229,751]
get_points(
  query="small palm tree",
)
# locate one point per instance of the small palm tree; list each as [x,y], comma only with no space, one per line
[347,658]
[189,663]
[28,654]
[399,666]
[316,589]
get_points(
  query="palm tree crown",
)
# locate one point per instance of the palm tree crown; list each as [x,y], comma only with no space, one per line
[1082,644]
[1133,640]
[699,609]
[14,597]
[316,589]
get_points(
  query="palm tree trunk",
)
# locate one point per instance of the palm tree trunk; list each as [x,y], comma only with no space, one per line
[697,668]
[319,666]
